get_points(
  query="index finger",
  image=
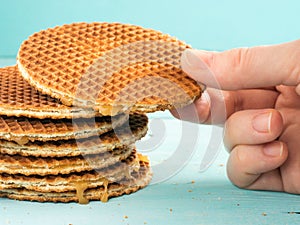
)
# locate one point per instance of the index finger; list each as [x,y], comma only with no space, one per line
[245,68]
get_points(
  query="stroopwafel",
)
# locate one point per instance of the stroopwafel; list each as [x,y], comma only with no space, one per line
[24,129]
[18,98]
[110,67]
[81,192]
[125,135]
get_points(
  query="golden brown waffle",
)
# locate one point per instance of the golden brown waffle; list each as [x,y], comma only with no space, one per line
[120,137]
[69,182]
[83,194]
[18,98]
[23,129]
[111,67]
[16,164]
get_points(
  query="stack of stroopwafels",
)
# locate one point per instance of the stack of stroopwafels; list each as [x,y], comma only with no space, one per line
[73,107]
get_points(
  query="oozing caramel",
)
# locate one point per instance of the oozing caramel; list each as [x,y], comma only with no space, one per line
[104,196]
[81,186]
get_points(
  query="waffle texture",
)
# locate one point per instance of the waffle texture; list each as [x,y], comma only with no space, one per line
[18,98]
[120,137]
[24,129]
[67,182]
[15,164]
[139,179]
[110,67]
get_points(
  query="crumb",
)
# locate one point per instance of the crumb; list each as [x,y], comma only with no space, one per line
[125,217]
[171,210]
[238,204]
[192,181]
[219,198]
[145,222]
[221,165]
[264,214]
[190,190]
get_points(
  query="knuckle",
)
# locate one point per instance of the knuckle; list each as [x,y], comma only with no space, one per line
[240,57]
[233,61]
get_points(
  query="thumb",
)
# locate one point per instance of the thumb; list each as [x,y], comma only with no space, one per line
[243,68]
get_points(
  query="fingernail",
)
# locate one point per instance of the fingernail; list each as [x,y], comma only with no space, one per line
[262,122]
[273,149]
[192,60]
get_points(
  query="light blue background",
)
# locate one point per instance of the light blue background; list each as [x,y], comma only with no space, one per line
[211,24]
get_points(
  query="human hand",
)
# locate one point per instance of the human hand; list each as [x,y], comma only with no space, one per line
[260,89]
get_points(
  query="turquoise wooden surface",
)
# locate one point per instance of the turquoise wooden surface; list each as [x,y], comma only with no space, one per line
[189,197]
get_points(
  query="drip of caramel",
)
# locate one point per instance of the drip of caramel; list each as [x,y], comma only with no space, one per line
[104,196]
[80,188]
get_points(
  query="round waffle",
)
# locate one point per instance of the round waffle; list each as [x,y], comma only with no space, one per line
[68,182]
[16,164]
[23,129]
[18,98]
[81,192]
[109,67]
[120,137]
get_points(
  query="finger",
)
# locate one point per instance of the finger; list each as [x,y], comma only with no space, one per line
[269,181]
[289,97]
[291,169]
[243,68]
[215,106]
[251,127]
[247,165]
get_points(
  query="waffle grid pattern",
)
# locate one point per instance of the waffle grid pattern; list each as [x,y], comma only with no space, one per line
[18,98]
[91,64]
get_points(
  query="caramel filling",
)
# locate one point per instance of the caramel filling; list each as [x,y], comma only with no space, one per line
[143,158]
[81,186]
[21,140]
[104,196]
[108,110]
